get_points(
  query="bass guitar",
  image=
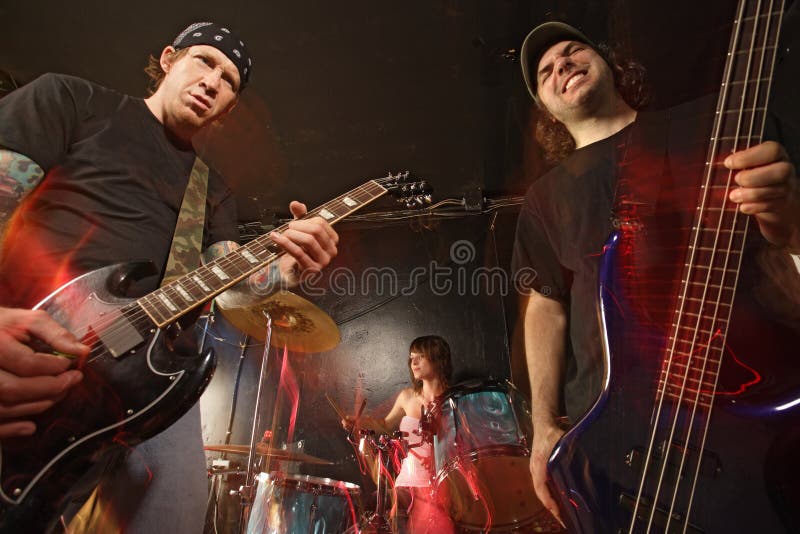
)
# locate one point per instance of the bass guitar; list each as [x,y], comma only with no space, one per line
[697,428]
[136,381]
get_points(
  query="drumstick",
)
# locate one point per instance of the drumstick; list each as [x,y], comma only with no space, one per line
[361,409]
[336,408]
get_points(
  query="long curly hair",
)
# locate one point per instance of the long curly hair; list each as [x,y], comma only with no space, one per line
[630,79]
[436,350]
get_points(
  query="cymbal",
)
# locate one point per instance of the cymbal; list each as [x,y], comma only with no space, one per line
[262,449]
[297,324]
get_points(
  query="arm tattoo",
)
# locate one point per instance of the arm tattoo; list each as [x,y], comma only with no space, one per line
[218,249]
[19,175]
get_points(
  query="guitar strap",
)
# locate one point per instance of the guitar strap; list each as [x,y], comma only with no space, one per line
[184,254]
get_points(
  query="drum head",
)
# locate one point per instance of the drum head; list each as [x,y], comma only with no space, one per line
[481,454]
[302,503]
[492,492]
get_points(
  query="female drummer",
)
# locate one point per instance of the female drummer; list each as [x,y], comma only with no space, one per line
[430,369]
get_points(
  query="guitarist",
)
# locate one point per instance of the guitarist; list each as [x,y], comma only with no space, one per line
[91,177]
[590,107]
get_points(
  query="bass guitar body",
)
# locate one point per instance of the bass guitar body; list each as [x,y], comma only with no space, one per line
[135,384]
[679,466]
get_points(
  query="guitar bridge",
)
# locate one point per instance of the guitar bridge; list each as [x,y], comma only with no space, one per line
[660,516]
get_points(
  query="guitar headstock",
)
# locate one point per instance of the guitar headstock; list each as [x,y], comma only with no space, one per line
[411,193]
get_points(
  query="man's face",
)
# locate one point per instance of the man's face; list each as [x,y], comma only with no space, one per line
[571,79]
[199,87]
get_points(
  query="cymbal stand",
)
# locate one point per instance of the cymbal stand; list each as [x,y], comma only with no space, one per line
[214,473]
[377,522]
[248,491]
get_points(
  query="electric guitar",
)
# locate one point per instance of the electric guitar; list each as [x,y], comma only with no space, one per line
[136,381]
[697,428]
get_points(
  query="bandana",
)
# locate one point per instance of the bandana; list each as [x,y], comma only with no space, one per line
[221,38]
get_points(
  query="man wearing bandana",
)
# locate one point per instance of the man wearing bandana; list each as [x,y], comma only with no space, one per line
[91,177]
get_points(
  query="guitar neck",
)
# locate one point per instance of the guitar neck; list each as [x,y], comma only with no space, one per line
[173,300]
[719,230]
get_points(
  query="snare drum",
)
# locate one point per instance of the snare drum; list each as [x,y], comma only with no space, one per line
[481,449]
[299,504]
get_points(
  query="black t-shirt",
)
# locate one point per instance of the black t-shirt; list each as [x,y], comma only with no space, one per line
[567,215]
[112,191]
[656,166]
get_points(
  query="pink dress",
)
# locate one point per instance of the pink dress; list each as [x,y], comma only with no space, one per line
[414,471]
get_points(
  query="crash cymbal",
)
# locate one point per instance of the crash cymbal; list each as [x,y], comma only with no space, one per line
[297,324]
[262,449]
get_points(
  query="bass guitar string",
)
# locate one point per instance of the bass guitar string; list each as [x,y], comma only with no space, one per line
[724,284]
[655,420]
[713,327]
[757,137]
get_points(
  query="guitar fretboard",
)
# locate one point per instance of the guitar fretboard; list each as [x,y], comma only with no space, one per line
[176,298]
[711,272]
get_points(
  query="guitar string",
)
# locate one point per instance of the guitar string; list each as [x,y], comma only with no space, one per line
[724,282]
[141,319]
[656,418]
[759,135]
[731,237]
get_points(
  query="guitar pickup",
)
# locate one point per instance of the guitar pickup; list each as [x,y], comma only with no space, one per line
[710,467]
[120,337]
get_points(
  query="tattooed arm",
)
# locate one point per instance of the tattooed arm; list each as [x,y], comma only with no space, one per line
[310,245]
[30,381]
[19,175]
[259,285]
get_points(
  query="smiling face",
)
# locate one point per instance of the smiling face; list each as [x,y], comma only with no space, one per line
[573,81]
[198,88]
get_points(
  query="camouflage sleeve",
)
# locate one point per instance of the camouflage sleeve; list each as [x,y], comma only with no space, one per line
[19,175]
[258,285]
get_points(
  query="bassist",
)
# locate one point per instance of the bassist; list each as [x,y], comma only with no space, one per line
[591,117]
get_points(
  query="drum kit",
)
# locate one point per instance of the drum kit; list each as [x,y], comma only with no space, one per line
[262,495]
[480,434]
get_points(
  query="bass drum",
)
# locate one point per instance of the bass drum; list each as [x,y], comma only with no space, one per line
[299,504]
[482,437]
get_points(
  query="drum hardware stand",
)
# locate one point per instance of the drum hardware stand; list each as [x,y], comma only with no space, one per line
[312,515]
[221,468]
[247,492]
[377,522]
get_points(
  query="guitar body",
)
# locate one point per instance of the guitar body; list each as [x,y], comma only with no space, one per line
[137,379]
[748,477]
[121,400]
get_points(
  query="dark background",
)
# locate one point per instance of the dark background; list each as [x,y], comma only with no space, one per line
[344,91]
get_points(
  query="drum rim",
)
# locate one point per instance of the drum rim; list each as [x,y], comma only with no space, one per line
[473,386]
[338,486]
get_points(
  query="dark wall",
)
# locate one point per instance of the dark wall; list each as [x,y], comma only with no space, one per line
[344,91]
